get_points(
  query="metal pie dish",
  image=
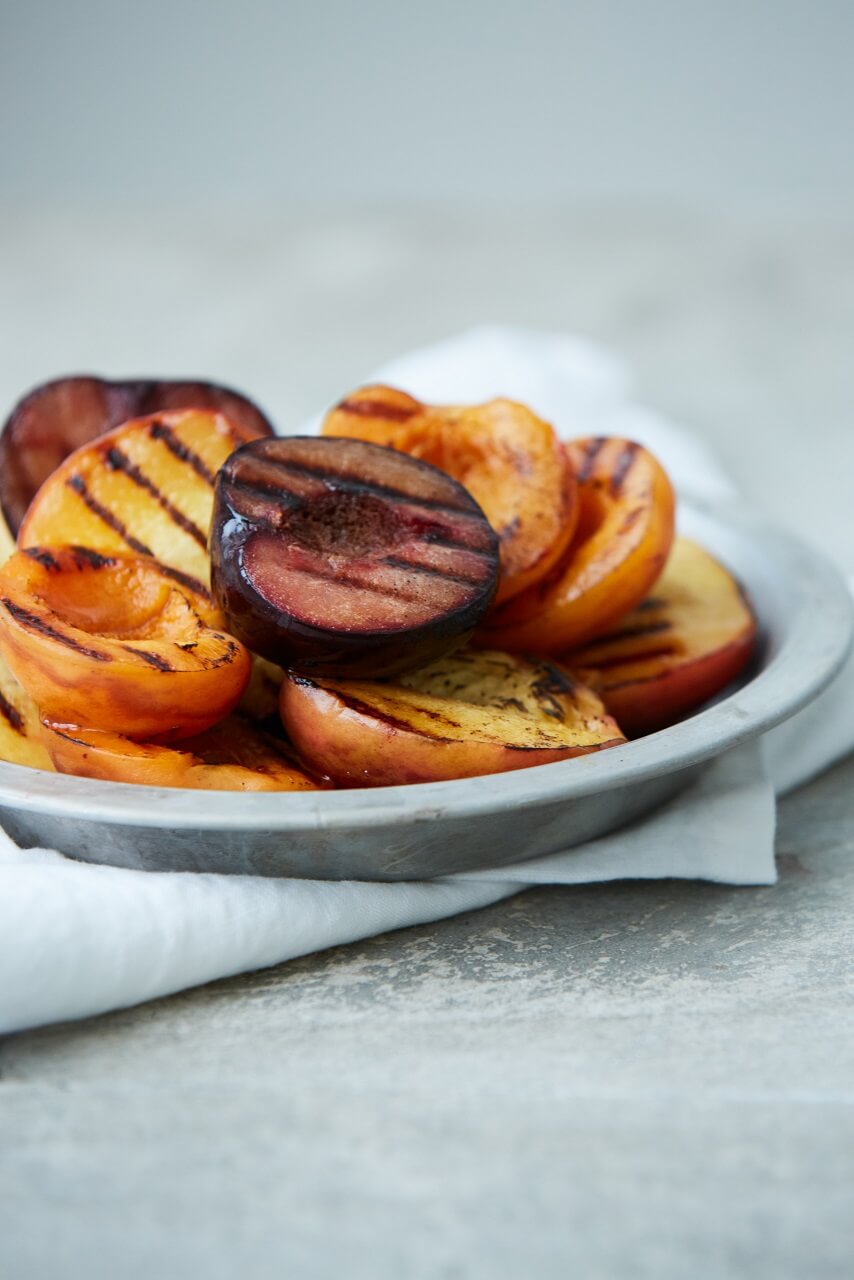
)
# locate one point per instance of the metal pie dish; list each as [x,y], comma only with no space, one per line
[436,829]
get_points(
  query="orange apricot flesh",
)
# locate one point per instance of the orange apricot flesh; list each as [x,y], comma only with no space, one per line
[20,741]
[145,488]
[685,642]
[233,756]
[113,642]
[511,462]
[619,548]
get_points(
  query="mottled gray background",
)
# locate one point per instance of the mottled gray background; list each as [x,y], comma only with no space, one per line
[362,100]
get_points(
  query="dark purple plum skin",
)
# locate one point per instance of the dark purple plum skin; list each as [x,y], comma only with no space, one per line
[293,643]
[59,416]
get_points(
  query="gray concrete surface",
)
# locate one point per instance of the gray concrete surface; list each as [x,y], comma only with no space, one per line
[636,1080]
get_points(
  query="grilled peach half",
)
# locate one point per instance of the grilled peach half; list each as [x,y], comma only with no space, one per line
[620,547]
[470,714]
[20,741]
[56,418]
[233,756]
[113,642]
[145,488]
[511,462]
[685,642]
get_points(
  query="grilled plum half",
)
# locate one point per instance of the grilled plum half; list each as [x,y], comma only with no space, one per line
[338,557]
[56,418]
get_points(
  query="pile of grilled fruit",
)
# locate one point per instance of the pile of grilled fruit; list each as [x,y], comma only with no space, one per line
[418,593]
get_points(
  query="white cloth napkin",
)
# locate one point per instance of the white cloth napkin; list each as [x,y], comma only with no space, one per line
[78,939]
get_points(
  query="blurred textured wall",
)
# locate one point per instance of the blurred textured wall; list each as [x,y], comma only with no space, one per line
[451,101]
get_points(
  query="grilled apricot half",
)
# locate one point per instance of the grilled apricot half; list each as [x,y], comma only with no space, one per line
[56,418]
[113,642]
[20,741]
[684,643]
[509,460]
[621,544]
[469,714]
[233,756]
[145,488]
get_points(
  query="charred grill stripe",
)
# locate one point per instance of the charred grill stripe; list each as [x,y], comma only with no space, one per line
[398,562]
[385,717]
[42,557]
[258,489]
[623,466]
[12,715]
[109,518]
[626,659]
[153,659]
[366,408]
[632,633]
[591,453]
[350,484]
[31,622]
[453,544]
[160,431]
[185,580]
[119,461]
[345,580]
[651,602]
[85,556]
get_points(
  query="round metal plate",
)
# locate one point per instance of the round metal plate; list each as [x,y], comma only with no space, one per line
[435,829]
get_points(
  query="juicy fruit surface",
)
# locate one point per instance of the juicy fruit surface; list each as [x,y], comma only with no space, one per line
[687,640]
[20,740]
[145,488]
[472,713]
[112,642]
[338,556]
[508,459]
[233,756]
[60,416]
[620,546]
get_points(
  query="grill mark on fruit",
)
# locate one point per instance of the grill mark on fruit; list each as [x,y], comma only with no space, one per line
[385,717]
[631,519]
[258,489]
[358,584]
[31,622]
[591,453]
[119,461]
[153,659]
[366,408]
[453,544]
[551,685]
[78,485]
[85,557]
[397,562]
[623,466]
[609,664]
[12,715]
[42,557]
[349,484]
[651,602]
[185,580]
[160,431]
[632,633]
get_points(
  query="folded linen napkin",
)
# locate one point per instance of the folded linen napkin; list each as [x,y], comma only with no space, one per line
[78,939]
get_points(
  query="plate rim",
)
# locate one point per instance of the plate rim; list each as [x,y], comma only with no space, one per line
[813,648]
